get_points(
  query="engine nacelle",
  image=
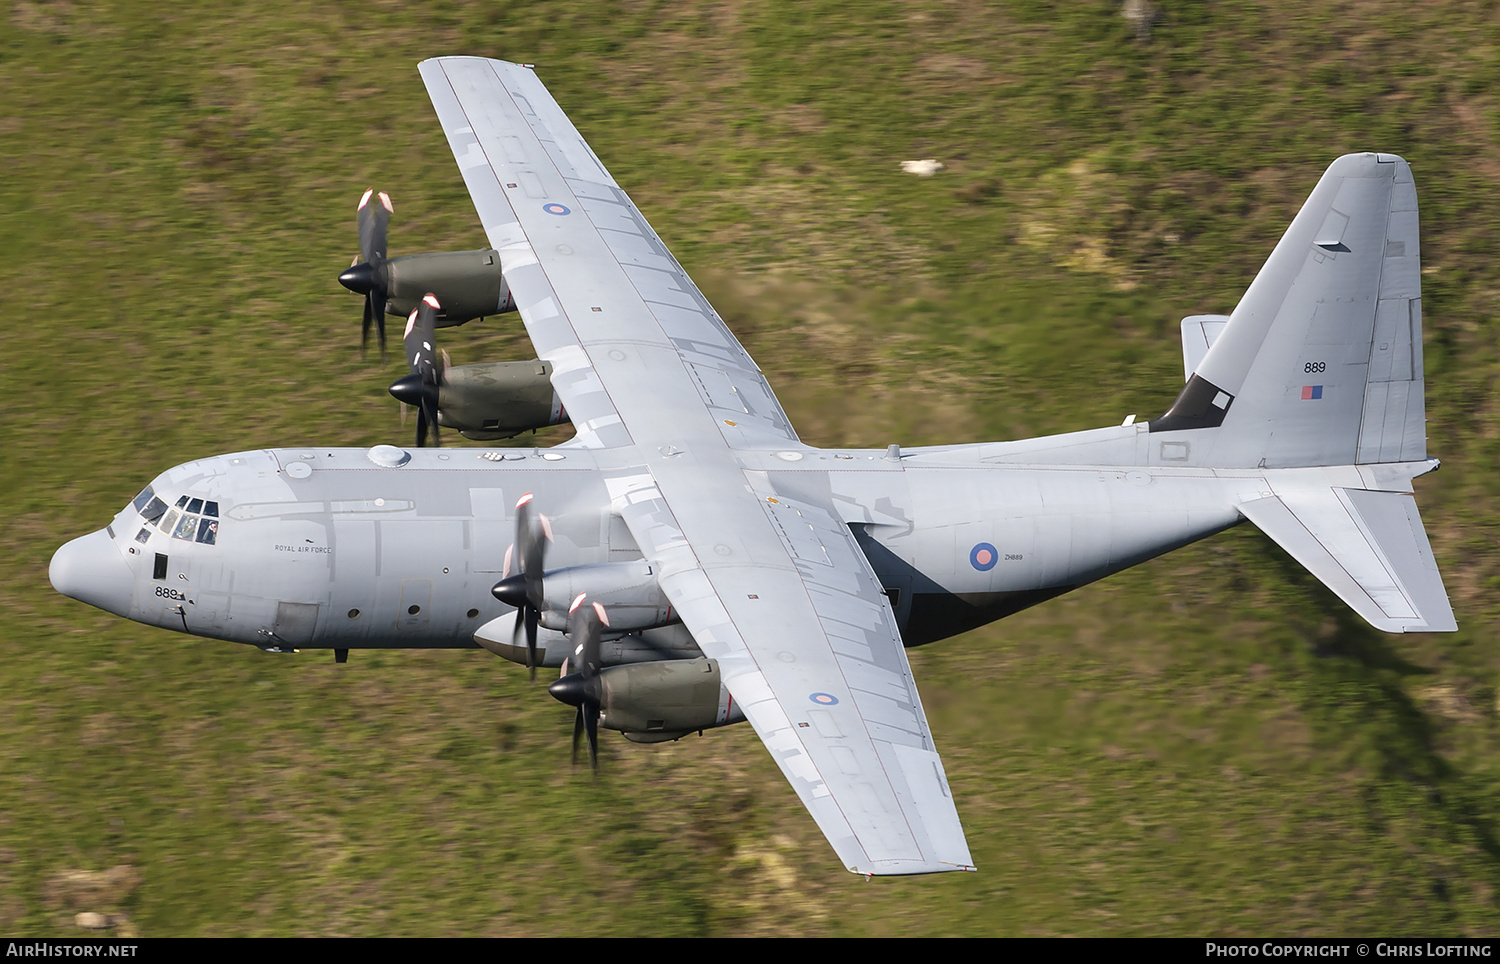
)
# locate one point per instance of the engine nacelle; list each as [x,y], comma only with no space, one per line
[468,285]
[665,700]
[495,400]
[629,592]
[671,642]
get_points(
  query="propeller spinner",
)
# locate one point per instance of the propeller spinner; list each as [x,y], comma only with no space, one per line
[370,276]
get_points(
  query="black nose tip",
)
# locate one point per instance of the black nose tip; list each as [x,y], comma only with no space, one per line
[510,590]
[571,689]
[361,278]
[409,389]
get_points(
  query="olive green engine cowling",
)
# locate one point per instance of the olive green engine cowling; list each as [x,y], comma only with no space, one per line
[468,285]
[497,400]
[665,700]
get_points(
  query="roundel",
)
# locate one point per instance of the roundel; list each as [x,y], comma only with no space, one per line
[983,557]
[555,208]
[824,699]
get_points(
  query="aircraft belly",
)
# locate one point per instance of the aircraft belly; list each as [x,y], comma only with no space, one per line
[986,543]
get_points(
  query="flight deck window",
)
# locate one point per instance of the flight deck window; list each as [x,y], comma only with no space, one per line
[211,509]
[182,502]
[208,531]
[196,505]
[154,509]
[147,494]
[143,535]
[187,528]
[170,521]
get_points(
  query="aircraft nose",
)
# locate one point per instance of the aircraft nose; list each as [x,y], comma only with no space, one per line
[90,569]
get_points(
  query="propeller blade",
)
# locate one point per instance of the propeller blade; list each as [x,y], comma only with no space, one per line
[583,688]
[430,414]
[590,713]
[374,218]
[368,275]
[531,620]
[377,308]
[523,589]
[531,547]
[422,387]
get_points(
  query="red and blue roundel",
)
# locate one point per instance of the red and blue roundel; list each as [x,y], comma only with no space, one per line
[983,557]
[555,208]
[824,699]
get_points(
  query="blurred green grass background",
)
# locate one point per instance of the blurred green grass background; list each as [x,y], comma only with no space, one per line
[1209,744]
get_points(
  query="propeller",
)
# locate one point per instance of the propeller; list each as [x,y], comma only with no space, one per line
[582,688]
[369,276]
[524,589]
[420,388]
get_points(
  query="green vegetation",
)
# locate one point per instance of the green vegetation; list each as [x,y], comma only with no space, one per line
[1209,744]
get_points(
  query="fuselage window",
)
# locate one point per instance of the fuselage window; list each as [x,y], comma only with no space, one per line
[143,535]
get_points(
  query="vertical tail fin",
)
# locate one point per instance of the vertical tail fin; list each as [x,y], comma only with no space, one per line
[1321,361]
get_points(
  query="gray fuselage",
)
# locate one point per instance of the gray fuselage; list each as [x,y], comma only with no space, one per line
[326,548]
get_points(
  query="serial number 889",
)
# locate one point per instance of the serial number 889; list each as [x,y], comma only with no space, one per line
[1315,366]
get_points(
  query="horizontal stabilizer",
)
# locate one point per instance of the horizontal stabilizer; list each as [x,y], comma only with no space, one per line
[1368,547]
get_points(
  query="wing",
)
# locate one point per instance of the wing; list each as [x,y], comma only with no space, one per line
[588,272]
[811,653]
[777,591]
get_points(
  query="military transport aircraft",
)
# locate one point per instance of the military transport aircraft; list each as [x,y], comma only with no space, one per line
[692,564]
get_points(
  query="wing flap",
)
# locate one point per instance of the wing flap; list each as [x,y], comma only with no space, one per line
[1367,546]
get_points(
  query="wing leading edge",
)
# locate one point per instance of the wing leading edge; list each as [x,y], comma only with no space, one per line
[777,591]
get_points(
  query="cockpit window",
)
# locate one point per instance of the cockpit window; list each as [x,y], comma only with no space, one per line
[187,528]
[191,520]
